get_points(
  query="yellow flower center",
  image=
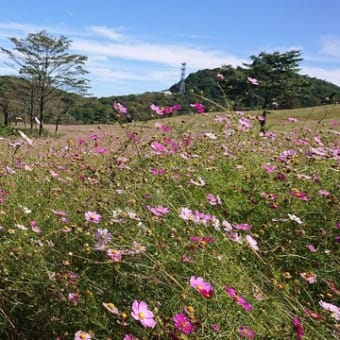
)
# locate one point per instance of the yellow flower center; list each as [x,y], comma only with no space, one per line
[190,309]
[237,298]
[83,335]
[141,315]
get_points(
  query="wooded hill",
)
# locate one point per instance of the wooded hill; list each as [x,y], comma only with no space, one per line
[202,86]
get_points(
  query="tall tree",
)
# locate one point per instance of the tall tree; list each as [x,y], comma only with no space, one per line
[45,63]
[275,77]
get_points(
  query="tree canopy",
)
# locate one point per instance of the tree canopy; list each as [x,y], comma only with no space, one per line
[44,62]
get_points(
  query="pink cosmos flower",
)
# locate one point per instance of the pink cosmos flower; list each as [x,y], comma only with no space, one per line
[244,124]
[163,127]
[100,150]
[130,337]
[119,107]
[242,226]
[292,119]
[54,174]
[157,109]
[158,171]
[253,81]
[269,168]
[177,107]
[237,298]
[298,328]
[246,332]
[331,308]
[186,214]
[309,277]
[74,298]
[324,193]
[204,288]
[215,327]
[111,308]
[202,241]
[92,216]
[183,324]
[318,140]
[141,313]
[35,228]
[234,237]
[312,248]
[94,137]
[188,259]
[252,242]
[158,148]
[115,255]
[81,140]
[299,194]
[103,237]
[133,137]
[60,213]
[214,200]
[158,211]
[199,107]
[81,335]
[286,155]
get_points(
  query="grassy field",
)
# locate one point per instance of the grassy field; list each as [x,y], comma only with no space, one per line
[277,119]
[189,227]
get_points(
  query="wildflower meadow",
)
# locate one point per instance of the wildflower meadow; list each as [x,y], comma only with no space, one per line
[186,227]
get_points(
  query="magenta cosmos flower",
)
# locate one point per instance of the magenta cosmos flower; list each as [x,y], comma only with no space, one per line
[239,299]
[183,324]
[247,332]
[298,328]
[198,106]
[141,313]
[204,288]
[92,216]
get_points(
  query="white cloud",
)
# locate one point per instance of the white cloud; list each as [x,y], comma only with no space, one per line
[172,55]
[15,28]
[330,45]
[112,34]
[332,76]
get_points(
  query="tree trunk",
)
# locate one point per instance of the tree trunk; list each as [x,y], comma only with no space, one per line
[41,114]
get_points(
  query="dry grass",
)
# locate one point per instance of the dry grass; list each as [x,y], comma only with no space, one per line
[277,120]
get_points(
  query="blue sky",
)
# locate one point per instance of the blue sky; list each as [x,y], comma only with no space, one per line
[135,46]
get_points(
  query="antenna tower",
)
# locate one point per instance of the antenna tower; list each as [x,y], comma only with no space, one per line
[182,83]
